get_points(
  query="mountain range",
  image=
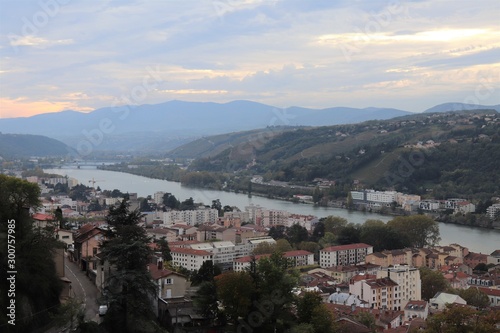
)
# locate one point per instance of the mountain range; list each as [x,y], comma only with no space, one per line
[163,127]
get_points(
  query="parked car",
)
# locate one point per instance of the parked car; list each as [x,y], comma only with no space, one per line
[102,310]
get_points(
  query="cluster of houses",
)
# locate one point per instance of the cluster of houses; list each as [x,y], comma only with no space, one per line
[412,203]
[351,278]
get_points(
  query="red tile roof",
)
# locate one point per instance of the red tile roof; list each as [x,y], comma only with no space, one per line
[346,247]
[160,273]
[490,291]
[42,217]
[189,251]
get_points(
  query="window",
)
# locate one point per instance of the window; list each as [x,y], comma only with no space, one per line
[94,251]
[169,281]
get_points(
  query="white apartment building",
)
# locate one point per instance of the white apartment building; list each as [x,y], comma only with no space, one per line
[493,210]
[190,217]
[225,252]
[351,254]
[189,258]
[158,197]
[386,197]
[407,277]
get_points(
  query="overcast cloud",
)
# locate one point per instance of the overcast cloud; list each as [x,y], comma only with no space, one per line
[82,55]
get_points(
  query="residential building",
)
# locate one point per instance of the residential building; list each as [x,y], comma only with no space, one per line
[407,277]
[382,293]
[351,254]
[493,295]
[493,211]
[416,309]
[159,233]
[87,242]
[190,217]
[439,301]
[169,283]
[158,197]
[345,273]
[494,258]
[189,258]
[473,259]
[208,232]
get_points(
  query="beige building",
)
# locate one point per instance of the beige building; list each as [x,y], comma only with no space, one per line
[407,277]
[382,293]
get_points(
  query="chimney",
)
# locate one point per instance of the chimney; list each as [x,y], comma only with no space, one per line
[160,264]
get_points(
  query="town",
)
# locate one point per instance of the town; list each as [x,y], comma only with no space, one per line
[391,287]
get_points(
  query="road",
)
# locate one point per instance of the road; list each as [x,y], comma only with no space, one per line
[83,289]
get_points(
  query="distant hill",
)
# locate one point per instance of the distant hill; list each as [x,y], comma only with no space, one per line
[453,153]
[162,127]
[24,145]
[461,107]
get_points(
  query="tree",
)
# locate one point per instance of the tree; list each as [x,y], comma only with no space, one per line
[170,201]
[130,286]
[432,283]
[206,273]
[349,235]
[164,248]
[206,300]
[349,201]
[328,240]
[318,232]
[217,205]
[367,319]
[37,285]
[296,234]
[188,204]
[144,205]
[323,320]
[334,224]
[264,248]
[234,290]
[420,230]
[475,297]
[306,304]
[59,217]
[277,231]
[282,245]
[462,319]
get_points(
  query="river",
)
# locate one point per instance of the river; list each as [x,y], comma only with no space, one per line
[476,239]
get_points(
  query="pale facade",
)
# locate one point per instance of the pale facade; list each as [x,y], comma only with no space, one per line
[380,293]
[407,277]
[351,254]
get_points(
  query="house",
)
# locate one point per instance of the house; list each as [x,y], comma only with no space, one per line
[473,259]
[350,254]
[494,258]
[171,285]
[159,233]
[493,295]
[87,240]
[440,300]
[65,236]
[43,220]
[215,232]
[416,309]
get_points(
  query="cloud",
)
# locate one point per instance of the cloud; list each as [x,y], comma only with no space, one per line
[312,53]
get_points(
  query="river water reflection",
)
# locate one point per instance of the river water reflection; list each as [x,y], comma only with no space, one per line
[476,239]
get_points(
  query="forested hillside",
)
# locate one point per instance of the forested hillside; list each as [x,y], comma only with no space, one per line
[454,153]
[24,145]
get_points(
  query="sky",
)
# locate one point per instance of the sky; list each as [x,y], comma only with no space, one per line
[83,55]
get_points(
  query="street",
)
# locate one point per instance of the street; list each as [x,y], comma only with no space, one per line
[83,289]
